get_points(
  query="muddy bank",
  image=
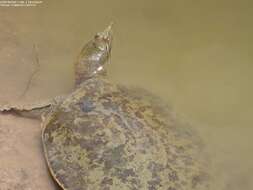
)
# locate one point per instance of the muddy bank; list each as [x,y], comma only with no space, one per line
[22,164]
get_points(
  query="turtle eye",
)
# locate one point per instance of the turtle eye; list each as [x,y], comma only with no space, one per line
[97,36]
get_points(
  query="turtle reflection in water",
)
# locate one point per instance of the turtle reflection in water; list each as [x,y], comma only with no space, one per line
[108,137]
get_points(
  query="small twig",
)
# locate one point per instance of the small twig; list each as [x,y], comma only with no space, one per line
[36,70]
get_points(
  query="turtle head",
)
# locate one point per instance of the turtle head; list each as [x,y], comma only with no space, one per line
[93,56]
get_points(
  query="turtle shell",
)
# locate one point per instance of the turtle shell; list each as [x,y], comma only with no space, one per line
[107,137]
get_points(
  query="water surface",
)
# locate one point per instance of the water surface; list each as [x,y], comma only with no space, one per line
[196,55]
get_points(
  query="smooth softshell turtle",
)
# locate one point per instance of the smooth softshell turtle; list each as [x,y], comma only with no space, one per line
[105,136]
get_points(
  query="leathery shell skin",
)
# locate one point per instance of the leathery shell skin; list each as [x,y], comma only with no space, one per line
[107,137]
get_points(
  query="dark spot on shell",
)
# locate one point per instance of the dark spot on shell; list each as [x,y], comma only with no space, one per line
[179,149]
[106,120]
[128,176]
[199,179]
[123,174]
[135,182]
[87,105]
[173,176]
[142,108]
[105,188]
[87,127]
[114,157]
[139,115]
[110,105]
[156,120]
[107,181]
[119,121]
[106,96]
[154,184]
[171,188]
[155,167]
[91,144]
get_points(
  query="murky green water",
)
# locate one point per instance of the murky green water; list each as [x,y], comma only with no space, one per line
[196,55]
